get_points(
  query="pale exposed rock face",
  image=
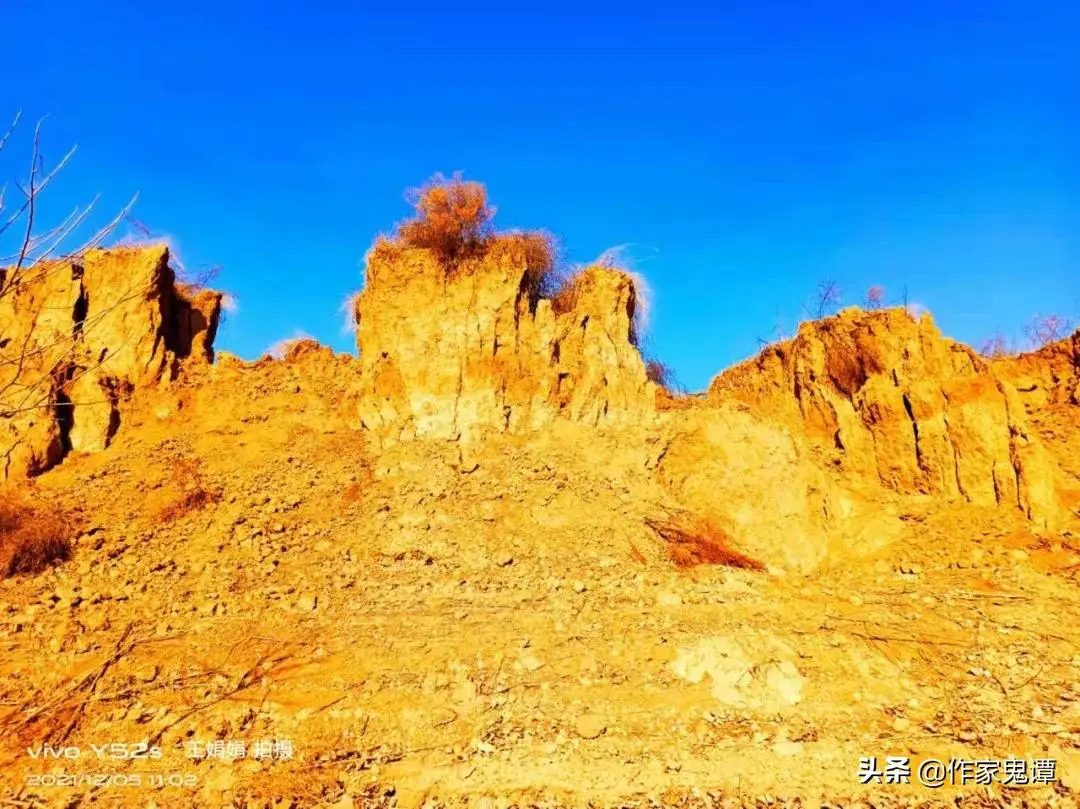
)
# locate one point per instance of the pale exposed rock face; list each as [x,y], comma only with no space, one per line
[78,338]
[880,397]
[888,395]
[455,357]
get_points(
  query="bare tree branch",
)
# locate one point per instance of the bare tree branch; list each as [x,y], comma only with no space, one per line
[31,198]
[1044,329]
[75,216]
[996,347]
[826,297]
[10,129]
[40,188]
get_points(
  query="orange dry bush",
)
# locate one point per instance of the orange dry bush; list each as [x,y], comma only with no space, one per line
[32,539]
[541,251]
[194,495]
[453,219]
[538,252]
[701,542]
[566,296]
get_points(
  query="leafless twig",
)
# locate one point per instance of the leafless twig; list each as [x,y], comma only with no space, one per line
[827,297]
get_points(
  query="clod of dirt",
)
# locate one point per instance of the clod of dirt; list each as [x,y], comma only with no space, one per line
[590,726]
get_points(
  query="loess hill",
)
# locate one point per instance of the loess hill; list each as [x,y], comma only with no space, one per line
[490,561]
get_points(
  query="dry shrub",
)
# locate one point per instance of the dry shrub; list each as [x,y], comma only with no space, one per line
[875,297]
[661,374]
[186,474]
[565,298]
[671,395]
[190,284]
[1042,330]
[453,219]
[997,347]
[700,542]
[32,539]
[539,252]
[538,248]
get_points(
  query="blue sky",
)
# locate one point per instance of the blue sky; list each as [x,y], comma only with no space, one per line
[743,150]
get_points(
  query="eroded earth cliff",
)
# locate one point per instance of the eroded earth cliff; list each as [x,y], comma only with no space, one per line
[471,565]
[78,337]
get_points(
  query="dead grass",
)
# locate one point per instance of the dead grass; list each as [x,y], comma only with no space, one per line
[194,494]
[671,395]
[32,538]
[700,542]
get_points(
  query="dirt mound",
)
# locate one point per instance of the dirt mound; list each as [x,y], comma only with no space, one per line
[455,356]
[79,337]
[884,393]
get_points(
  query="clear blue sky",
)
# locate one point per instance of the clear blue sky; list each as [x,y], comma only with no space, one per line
[743,150]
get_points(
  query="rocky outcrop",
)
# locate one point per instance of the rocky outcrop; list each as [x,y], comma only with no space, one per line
[881,396]
[78,337]
[885,393]
[455,355]
[1050,375]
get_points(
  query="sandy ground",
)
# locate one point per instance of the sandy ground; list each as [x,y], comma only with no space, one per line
[408,629]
